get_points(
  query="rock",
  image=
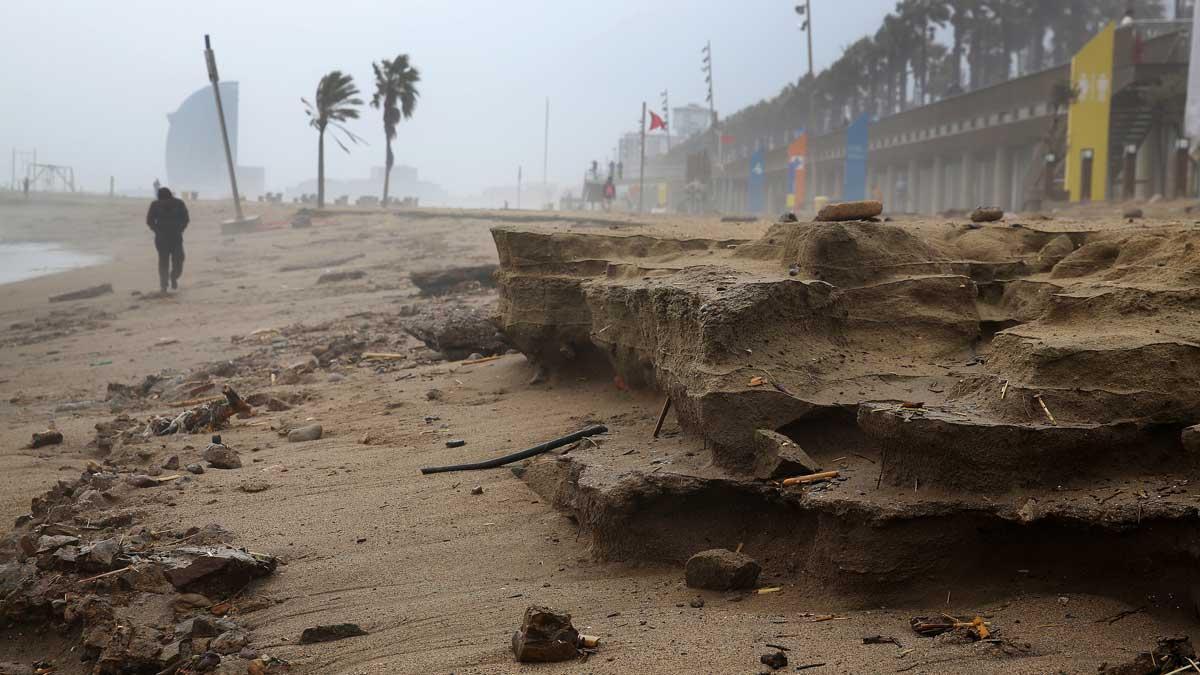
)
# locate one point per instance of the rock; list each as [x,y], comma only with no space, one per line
[196,627]
[335,378]
[220,456]
[195,468]
[545,636]
[329,633]
[1190,437]
[91,500]
[254,485]
[275,405]
[477,490]
[696,603]
[987,214]
[1053,253]
[171,463]
[175,652]
[455,443]
[774,661]
[311,432]
[229,642]
[44,438]
[248,653]
[1132,212]
[788,217]
[837,211]
[103,554]
[48,543]
[777,456]
[333,277]
[207,661]
[433,395]
[456,331]
[719,569]
[187,601]
[220,566]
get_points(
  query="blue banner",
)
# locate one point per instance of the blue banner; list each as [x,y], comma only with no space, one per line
[857,138]
[756,183]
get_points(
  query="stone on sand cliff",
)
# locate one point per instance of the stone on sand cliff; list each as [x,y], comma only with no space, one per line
[545,635]
[777,456]
[850,211]
[311,432]
[719,569]
[222,457]
[987,214]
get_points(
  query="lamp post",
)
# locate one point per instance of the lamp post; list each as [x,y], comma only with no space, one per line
[805,11]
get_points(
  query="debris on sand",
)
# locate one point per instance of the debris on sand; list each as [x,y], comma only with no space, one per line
[1171,655]
[334,277]
[720,569]
[44,438]
[61,567]
[439,282]
[523,454]
[84,294]
[545,636]
[329,633]
[774,660]
[843,211]
[987,214]
[930,626]
[456,331]
[206,417]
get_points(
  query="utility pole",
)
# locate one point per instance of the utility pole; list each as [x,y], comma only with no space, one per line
[642,166]
[546,157]
[805,11]
[211,60]
[518,187]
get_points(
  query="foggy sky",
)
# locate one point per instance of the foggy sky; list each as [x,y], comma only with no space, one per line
[90,83]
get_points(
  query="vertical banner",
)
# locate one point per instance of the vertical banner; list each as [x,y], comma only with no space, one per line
[797,169]
[1088,117]
[857,136]
[1191,116]
[662,195]
[756,183]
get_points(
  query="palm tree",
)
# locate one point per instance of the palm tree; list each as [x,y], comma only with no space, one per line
[395,83]
[336,101]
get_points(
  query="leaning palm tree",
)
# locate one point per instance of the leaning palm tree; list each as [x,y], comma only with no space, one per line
[396,94]
[335,102]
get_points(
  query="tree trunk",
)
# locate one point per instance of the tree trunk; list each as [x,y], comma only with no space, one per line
[387,173]
[321,169]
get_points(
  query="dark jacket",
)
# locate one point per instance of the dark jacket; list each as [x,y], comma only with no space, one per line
[168,217]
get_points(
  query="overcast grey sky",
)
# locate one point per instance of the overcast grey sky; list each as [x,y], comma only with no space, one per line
[89,83]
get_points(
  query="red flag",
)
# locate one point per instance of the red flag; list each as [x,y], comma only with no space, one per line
[726,139]
[656,122]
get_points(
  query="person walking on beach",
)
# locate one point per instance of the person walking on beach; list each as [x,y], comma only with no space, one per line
[168,218]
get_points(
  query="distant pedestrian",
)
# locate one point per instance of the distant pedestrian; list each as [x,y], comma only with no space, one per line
[157,185]
[168,218]
[25,186]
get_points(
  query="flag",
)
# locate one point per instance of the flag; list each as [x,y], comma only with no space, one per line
[726,139]
[656,122]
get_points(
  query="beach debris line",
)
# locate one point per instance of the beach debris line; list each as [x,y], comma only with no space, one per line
[210,416]
[83,294]
[930,626]
[524,454]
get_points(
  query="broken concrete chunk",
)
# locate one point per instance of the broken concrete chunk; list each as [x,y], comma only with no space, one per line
[777,456]
[219,566]
[103,554]
[987,214]
[311,432]
[222,457]
[229,642]
[545,636]
[720,569]
[838,211]
[329,633]
[196,627]
[47,544]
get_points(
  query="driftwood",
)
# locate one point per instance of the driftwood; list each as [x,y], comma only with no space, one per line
[93,292]
[524,454]
[810,478]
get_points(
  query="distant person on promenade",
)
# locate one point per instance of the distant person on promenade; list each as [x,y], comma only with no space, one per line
[157,185]
[168,218]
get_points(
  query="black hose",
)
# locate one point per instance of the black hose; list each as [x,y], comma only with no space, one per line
[535,450]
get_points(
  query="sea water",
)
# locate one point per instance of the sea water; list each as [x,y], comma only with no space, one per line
[32,259]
